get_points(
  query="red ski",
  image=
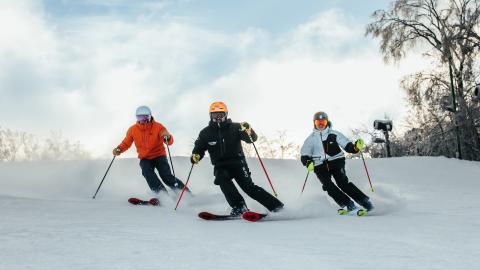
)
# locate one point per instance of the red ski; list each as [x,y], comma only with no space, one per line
[136,201]
[253,216]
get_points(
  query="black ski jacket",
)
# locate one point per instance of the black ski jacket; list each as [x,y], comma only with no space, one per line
[222,142]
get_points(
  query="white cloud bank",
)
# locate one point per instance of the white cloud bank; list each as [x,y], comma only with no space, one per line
[87,77]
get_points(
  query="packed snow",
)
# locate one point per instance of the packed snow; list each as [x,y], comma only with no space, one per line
[427,217]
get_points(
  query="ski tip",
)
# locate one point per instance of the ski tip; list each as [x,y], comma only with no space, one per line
[362,213]
[154,201]
[252,216]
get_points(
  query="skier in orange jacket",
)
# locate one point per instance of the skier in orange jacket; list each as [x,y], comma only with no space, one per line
[149,137]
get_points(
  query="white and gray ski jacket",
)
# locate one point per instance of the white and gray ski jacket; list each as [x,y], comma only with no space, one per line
[329,149]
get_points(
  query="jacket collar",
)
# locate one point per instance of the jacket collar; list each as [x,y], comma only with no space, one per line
[145,126]
[324,133]
[222,125]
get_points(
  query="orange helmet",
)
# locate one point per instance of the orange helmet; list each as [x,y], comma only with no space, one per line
[218,106]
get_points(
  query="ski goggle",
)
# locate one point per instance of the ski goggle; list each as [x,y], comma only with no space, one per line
[218,117]
[321,123]
[143,118]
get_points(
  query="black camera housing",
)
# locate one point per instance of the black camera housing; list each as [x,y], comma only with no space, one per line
[385,125]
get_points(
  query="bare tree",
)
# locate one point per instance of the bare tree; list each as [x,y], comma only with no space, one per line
[279,147]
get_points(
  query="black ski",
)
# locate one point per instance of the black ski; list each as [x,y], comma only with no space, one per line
[211,216]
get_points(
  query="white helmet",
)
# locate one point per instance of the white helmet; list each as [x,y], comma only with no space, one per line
[143,110]
[143,114]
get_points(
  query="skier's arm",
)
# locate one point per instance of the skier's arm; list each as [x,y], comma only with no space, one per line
[345,143]
[244,130]
[127,142]
[350,148]
[200,146]
[306,152]
[165,136]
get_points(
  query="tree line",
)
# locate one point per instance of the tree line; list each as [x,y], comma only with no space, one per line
[20,146]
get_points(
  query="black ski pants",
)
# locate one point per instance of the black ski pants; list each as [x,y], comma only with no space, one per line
[224,174]
[344,190]
[161,164]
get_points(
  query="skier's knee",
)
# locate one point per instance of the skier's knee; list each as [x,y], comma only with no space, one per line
[221,176]
[146,174]
[251,189]
[327,186]
[343,184]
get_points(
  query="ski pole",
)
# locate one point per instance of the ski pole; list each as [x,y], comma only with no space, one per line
[366,170]
[170,157]
[185,187]
[104,177]
[263,166]
[304,183]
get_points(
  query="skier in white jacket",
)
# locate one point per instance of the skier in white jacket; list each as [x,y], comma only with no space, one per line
[322,153]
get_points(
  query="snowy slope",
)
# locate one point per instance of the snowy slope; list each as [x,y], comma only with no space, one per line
[427,218]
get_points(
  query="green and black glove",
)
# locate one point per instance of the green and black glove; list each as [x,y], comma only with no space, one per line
[359,145]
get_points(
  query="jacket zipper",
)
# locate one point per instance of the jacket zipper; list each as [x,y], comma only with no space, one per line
[325,150]
[222,141]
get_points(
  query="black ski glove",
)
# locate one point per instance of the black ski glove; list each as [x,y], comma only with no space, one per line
[306,160]
[195,158]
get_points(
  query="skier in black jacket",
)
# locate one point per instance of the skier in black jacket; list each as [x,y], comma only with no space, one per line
[222,138]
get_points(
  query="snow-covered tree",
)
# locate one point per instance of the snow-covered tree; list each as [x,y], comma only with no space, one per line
[447,33]
[18,145]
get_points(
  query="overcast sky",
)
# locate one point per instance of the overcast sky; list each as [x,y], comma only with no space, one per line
[83,67]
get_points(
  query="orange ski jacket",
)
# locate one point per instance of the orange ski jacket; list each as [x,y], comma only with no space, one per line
[148,139]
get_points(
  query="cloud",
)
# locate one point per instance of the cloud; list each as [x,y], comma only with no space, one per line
[87,75]
[309,69]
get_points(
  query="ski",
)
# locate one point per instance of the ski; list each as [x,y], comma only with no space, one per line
[362,212]
[211,216]
[253,216]
[136,201]
[345,212]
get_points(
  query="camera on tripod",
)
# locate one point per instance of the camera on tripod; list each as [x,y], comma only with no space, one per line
[384,125]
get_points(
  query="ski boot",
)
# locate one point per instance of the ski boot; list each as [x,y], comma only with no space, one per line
[278,208]
[368,207]
[238,211]
[350,207]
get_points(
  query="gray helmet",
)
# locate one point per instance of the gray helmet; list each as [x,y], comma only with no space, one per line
[321,115]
